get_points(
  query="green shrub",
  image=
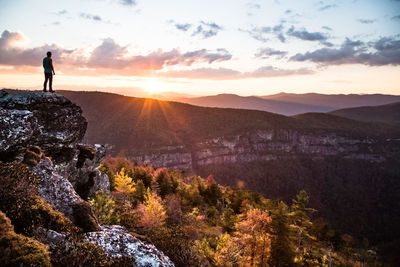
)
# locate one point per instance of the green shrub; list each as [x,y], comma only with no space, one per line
[18,250]
[104,207]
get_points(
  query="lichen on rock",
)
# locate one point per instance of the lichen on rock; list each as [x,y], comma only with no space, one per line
[116,241]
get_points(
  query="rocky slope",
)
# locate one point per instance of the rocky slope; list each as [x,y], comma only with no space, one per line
[44,131]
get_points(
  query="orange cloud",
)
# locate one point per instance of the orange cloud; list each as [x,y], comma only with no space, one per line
[109,58]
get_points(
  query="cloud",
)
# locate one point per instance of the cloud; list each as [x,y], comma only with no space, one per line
[253,5]
[305,35]
[326,7]
[269,71]
[220,55]
[230,74]
[12,54]
[107,58]
[269,52]
[128,2]
[204,73]
[396,17]
[207,29]
[90,17]
[183,27]
[309,36]
[327,28]
[262,33]
[111,58]
[62,12]
[204,29]
[367,21]
[385,51]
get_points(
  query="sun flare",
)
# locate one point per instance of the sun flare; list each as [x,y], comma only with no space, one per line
[153,86]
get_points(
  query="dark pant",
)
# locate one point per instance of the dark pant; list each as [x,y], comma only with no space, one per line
[48,77]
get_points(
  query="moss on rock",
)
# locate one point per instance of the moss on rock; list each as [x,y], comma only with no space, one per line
[85,217]
[19,250]
[32,156]
[19,200]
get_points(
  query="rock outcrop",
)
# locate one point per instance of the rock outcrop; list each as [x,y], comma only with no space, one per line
[56,189]
[47,120]
[44,130]
[116,241]
[262,146]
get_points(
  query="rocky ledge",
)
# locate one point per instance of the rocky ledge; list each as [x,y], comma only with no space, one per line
[44,131]
[47,120]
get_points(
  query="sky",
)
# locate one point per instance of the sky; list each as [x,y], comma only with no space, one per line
[207,47]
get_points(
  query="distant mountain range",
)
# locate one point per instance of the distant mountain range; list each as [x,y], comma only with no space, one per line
[286,104]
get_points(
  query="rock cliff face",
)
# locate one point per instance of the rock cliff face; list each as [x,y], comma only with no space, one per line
[44,130]
[263,146]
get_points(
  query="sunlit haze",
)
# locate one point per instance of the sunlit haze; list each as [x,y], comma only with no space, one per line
[259,47]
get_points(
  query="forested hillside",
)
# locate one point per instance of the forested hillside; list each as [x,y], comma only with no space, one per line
[197,222]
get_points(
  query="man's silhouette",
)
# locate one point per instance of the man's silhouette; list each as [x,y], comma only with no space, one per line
[48,72]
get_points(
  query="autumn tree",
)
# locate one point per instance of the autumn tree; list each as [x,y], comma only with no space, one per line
[151,213]
[124,183]
[173,209]
[253,232]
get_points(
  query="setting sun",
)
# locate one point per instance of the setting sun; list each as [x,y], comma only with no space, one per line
[152,86]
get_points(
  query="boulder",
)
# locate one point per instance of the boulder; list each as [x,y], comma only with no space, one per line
[117,242]
[56,189]
[83,171]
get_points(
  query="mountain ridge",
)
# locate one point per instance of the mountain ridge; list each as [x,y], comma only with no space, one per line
[389,113]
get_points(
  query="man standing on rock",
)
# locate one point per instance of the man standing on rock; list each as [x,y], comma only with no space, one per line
[48,72]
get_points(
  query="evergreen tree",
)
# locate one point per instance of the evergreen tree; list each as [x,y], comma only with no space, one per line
[281,248]
[228,220]
[301,223]
[143,174]
[140,191]
[104,207]
[164,185]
